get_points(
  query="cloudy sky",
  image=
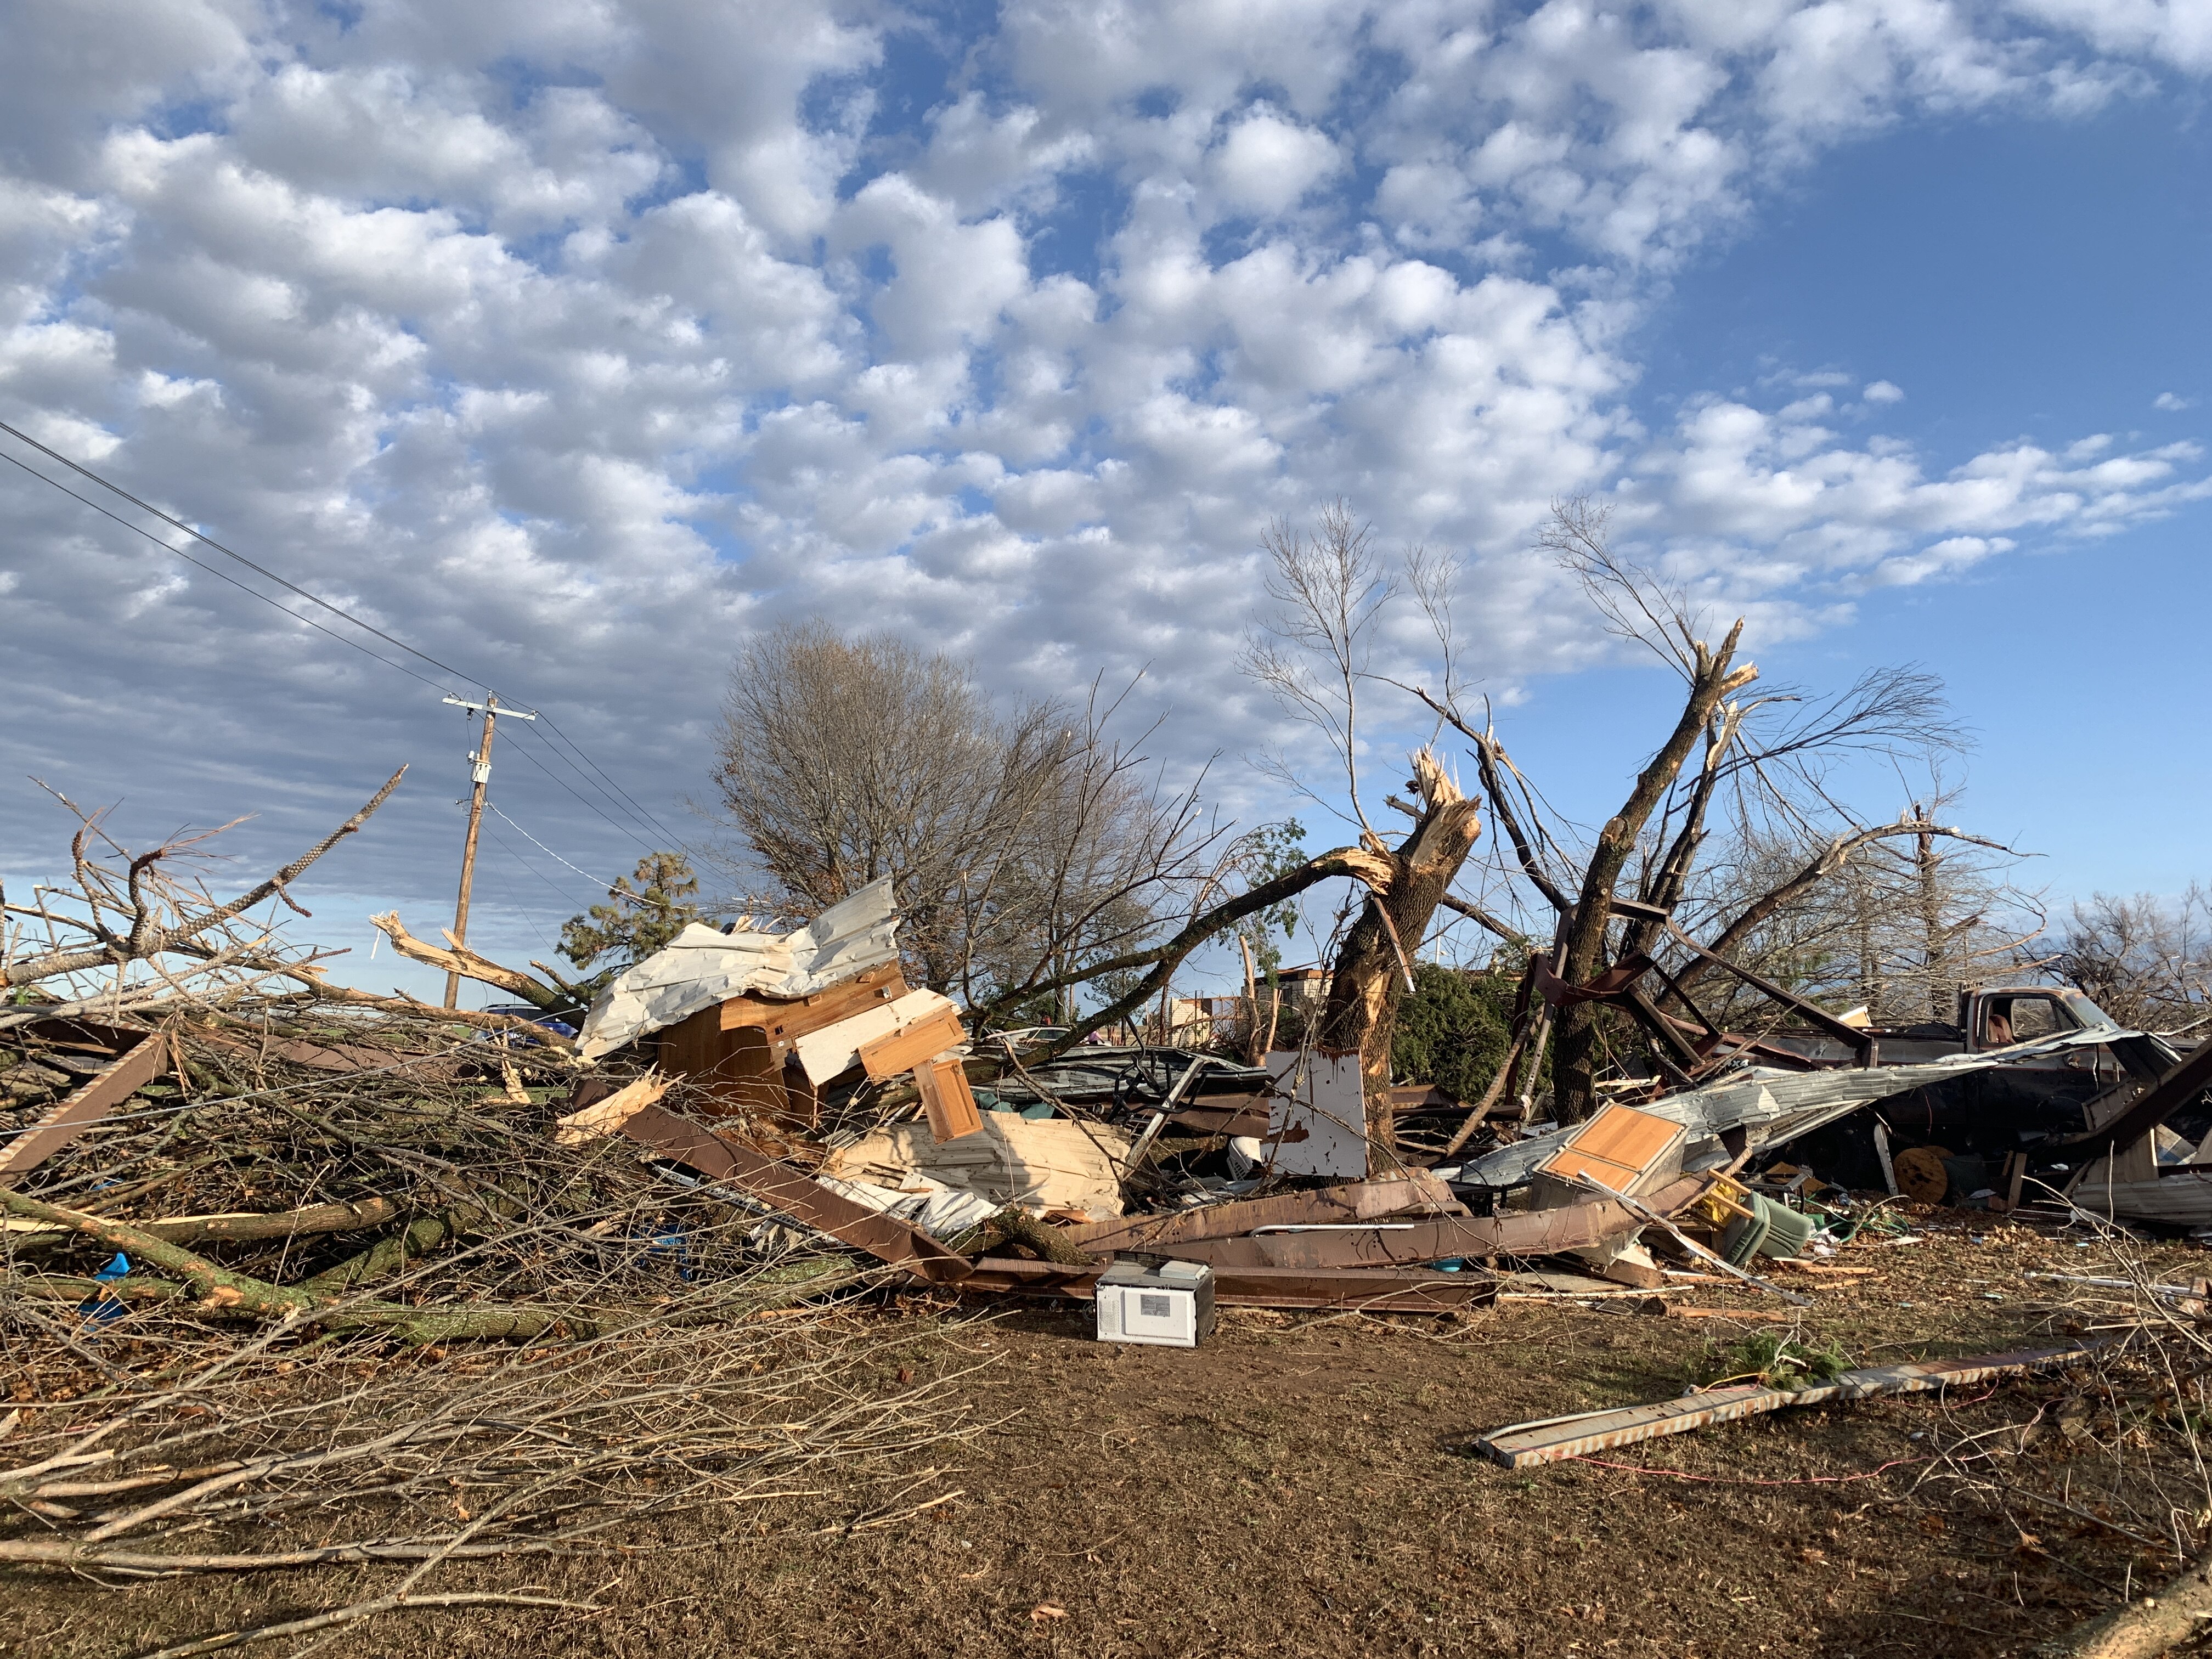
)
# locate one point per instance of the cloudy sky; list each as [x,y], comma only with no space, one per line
[569,341]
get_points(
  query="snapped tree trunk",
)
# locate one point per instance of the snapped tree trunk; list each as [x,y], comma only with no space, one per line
[1574,1057]
[1368,976]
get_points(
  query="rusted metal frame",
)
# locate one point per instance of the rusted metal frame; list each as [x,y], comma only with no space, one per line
[1687,1059]
[1378,1292]
[1714,1035]
[1605,987]
[1357,1200]
[1552,1440]
[1406,1244]
[788,1192]
[2179,1086]
[1862,1043]
[137,1065]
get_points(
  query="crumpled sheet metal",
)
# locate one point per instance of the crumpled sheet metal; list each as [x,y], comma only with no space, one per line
[702,966]
[1775,1105]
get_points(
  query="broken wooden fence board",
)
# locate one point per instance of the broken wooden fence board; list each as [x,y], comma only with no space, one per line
[137,1065]
[788,1192]
[1550,1440]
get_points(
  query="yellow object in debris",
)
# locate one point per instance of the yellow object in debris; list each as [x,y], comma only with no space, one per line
[1722,1202]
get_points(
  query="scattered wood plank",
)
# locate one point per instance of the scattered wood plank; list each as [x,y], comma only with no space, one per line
[788,1192]
[1404,1244]
[1550,1439]
[1356,1200]
[1385,1291]
[786,1019]
[607,1116]
[836,1049]
[109,1088]
[904,1049]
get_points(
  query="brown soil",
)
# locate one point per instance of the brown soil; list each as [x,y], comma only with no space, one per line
[1302,1487]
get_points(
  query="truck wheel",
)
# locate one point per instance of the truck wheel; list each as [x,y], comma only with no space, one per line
[1921,1174]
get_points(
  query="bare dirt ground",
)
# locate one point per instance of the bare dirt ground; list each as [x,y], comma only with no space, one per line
[1302,1486]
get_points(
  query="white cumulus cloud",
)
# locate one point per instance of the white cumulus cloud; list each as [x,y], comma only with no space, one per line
[569,341]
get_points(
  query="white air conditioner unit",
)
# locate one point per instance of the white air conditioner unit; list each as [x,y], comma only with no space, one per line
[1170,1306]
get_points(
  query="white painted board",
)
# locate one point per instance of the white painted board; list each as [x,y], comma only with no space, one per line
[1317,1123]
[834,1048]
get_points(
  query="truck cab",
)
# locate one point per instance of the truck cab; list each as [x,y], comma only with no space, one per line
[2012,1106]
[1998,1016]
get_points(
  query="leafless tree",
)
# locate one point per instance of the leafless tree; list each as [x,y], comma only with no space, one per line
[1020,845]
[1313,652]
[1763,762]
[1316,648]
[2146,961]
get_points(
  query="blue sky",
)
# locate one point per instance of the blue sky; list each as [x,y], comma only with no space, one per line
[571,342]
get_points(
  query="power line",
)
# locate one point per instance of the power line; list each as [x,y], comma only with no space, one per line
[637,811]
[558,755]
[506,846]
[203,564]
[554,727]
[585,799]
[312,598]
[547,851]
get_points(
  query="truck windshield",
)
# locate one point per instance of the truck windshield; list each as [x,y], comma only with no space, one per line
[2088,1012]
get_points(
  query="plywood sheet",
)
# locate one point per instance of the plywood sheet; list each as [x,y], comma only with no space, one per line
[1621,1148]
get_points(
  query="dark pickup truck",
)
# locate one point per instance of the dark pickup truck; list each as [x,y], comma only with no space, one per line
[2014,1106]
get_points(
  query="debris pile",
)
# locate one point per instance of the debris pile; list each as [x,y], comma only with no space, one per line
[801,1071]
[291,1275]
[222,1180]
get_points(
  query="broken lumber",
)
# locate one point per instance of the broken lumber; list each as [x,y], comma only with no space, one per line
[1551,1439]
[136,1067]
[1411,1244]
[1333,1290]
[787,1192]
[1359,1200]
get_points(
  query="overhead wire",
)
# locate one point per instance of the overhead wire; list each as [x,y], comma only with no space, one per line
[543,848]
[220,575]
[619,795]
[554,727]
[170,519]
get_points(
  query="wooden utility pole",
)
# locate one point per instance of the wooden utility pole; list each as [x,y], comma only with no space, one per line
[480,776]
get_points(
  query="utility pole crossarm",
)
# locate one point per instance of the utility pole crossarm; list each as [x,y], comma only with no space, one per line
[479,778]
